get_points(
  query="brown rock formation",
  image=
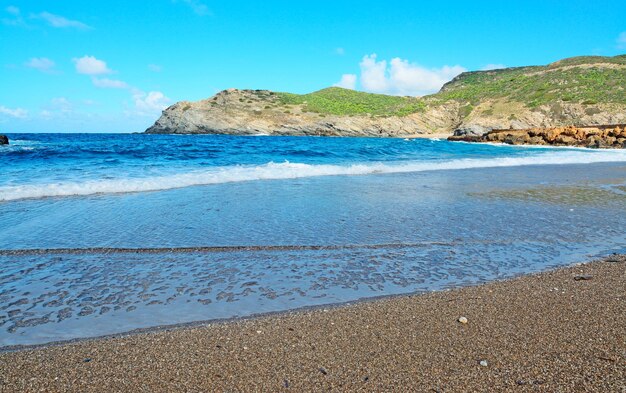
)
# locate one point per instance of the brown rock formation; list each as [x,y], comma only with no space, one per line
[603,136]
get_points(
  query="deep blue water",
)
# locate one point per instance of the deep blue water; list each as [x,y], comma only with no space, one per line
[378,217]
[43,165]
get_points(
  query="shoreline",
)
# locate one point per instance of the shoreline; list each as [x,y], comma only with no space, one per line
[375,344]
[257,316]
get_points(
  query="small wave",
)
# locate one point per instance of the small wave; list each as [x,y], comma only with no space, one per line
[16,148]
[287,170]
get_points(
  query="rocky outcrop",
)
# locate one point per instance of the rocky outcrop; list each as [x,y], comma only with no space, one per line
[603,136]
[252,112]
[4,140]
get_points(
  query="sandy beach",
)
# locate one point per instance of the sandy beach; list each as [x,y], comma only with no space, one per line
[561,330]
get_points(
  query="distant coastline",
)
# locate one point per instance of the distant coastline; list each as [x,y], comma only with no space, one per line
[580,91]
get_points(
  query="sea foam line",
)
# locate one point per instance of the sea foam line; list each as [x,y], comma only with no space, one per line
[287,170]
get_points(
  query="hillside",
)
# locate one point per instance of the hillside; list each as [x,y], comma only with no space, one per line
[576,91]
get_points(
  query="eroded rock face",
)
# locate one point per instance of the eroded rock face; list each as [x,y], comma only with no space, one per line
[4,140]
[603,136]
[250,112]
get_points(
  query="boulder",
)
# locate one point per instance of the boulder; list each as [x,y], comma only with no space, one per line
[4,140]
[471,130]
[566,140]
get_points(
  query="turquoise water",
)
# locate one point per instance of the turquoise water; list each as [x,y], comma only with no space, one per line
[161,230]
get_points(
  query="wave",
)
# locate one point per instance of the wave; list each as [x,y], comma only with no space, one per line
[287,170]
[17,145]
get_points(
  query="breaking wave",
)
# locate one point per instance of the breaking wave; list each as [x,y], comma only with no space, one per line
[287,170]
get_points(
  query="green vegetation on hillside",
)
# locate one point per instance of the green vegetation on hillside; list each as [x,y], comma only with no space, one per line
[586,80]
[338,101]
[620,59]
[580,79]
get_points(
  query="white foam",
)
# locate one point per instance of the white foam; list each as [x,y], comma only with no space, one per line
[286,170]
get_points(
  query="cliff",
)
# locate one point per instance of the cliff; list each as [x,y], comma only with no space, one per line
[581,91]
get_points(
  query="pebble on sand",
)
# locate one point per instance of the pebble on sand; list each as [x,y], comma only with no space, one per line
[462,320]
[484,363]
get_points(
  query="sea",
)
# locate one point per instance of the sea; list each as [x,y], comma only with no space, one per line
[106,234]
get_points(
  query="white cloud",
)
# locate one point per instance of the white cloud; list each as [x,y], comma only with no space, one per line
[155,68]
[340,51]
[106,83]
[621,40]
[60,21]
[403,78]
[13,10]
[150,103]
[373,76]
[348,81]
[197,6]
[493,66]
[145,104]
[17,113]
[42,64]
[89,65]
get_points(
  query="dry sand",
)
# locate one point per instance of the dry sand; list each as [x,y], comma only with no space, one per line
[552,332]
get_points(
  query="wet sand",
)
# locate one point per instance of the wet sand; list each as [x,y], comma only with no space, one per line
[563,330]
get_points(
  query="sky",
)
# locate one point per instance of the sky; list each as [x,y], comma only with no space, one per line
[112,66]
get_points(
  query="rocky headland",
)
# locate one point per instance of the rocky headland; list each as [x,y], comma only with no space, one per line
[583,92]
[251,112]
[4,140]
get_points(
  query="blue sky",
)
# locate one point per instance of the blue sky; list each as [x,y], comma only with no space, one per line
[111,66]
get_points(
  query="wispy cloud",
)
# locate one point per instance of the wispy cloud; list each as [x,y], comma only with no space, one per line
[15,18]
[89,65]
[60,21]
[493,66]
[58,108]
[348,81]
[17,113]
[198,7]
[340,51]
[155,68]
[61,104]
[400,77]
[13,10]
[42,64]
[621,40]
[106,83]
